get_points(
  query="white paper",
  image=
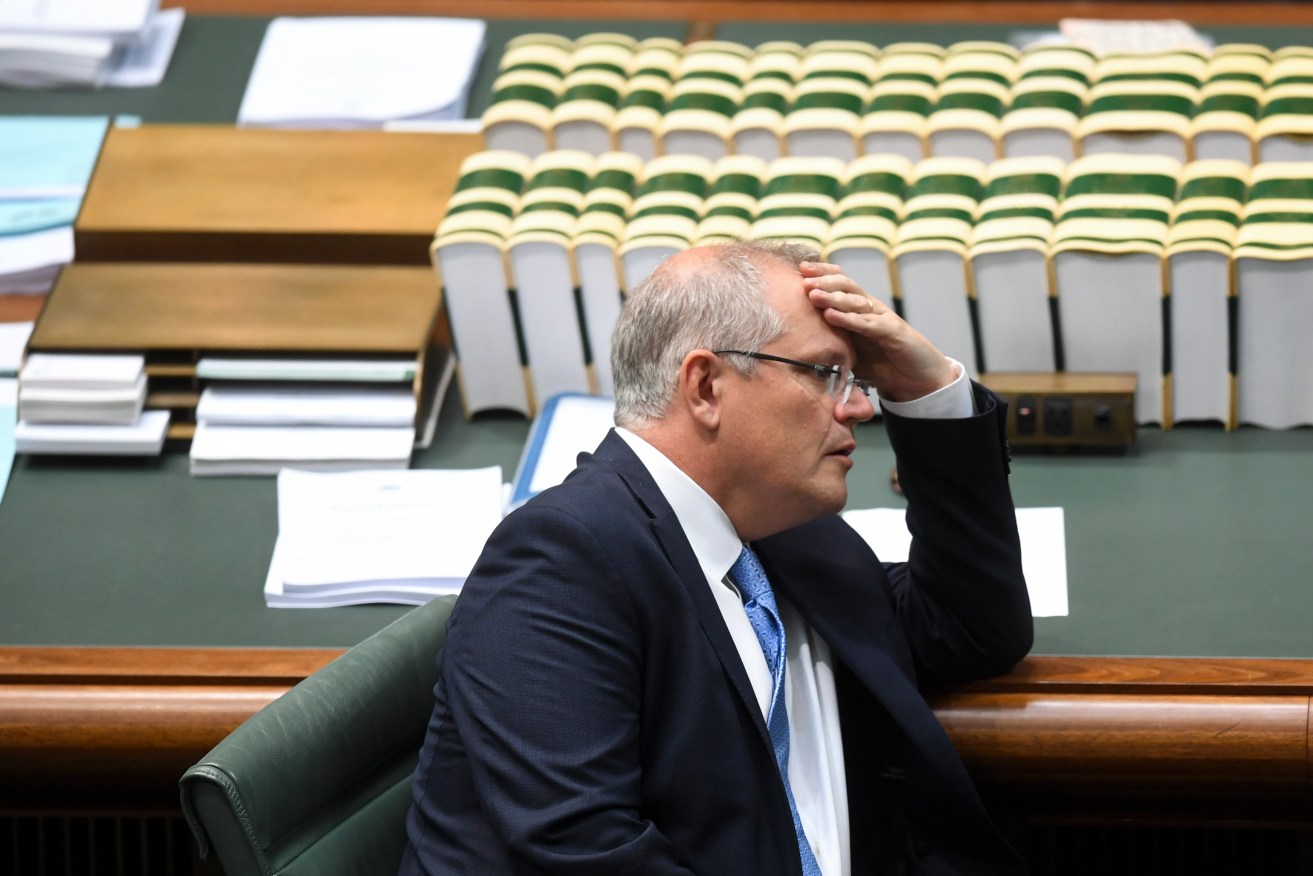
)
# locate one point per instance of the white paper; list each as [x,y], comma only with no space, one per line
[371,370]
[1043,549]
[1105,37]
[8,421]
[359,405]
[111,403]
[142,438]
[83,370]
[40,252]
[303,443]
[109,17]
[361,70]
[29,60]
[13,340]
[145,61]
[371,536]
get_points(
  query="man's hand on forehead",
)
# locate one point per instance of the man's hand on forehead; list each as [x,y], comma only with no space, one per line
[898,359]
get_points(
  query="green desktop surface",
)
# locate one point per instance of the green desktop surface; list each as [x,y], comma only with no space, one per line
[204,83]
[1194,543]
[213,59]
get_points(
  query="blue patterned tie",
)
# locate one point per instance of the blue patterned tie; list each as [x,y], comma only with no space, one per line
[759,603]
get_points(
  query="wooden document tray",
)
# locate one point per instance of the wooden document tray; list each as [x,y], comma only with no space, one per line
[174,314]
[213,193]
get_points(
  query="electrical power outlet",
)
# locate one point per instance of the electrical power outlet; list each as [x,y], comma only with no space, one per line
[1057,416]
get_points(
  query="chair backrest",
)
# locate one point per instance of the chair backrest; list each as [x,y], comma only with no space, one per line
[318,781]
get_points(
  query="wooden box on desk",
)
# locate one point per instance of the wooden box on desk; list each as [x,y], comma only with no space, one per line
[174,314]
[1048,410]
[217,193]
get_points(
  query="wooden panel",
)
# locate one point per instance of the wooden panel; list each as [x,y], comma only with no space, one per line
[146,666]
[933,11]
[217,193]
[1127,742]
[204,307]
[1076,737]
[93,747]
[112,729]
[1154,675]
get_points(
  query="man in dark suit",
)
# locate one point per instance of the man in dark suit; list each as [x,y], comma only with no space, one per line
[680,661]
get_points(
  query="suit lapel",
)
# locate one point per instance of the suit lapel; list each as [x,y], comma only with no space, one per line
[670,535]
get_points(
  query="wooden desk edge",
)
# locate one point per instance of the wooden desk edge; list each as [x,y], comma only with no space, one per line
[1217,676]
[103,721]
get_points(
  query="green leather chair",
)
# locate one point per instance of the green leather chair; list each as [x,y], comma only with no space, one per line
[317,783]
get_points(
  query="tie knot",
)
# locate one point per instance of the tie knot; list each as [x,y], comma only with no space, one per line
[748,575]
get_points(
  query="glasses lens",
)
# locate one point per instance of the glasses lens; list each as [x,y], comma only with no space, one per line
[849,381]
[832,385]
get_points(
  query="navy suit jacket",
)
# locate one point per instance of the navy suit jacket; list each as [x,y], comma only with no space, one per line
[593,715]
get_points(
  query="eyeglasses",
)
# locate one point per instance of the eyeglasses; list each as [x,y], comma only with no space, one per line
[839,381]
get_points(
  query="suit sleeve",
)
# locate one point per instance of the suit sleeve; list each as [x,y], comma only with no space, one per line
[543,671]
[961,597]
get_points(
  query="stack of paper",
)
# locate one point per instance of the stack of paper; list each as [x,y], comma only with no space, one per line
[59,388]
[110,401]
[377,536]
[361,72]
[86,42]
[86,404]
[259,404]
[256,417]
[1109,37]
[45,163]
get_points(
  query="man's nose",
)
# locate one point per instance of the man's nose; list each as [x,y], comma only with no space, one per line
[858,408]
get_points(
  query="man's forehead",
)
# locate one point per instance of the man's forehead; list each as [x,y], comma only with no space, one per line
[805,326]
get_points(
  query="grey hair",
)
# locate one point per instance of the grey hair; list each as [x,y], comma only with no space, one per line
[682,307]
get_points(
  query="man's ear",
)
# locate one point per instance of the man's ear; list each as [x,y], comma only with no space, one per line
[699,386]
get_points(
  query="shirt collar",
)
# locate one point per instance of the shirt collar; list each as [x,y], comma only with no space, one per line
[706,526]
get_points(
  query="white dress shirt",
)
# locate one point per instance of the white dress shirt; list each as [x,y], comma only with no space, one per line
[816,771]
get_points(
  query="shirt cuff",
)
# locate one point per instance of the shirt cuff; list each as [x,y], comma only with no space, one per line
[952,402]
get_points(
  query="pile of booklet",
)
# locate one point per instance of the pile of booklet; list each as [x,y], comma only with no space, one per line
[348,538]
[379,536]
[45,163]
[257,416]
[86,42]
[86,404]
